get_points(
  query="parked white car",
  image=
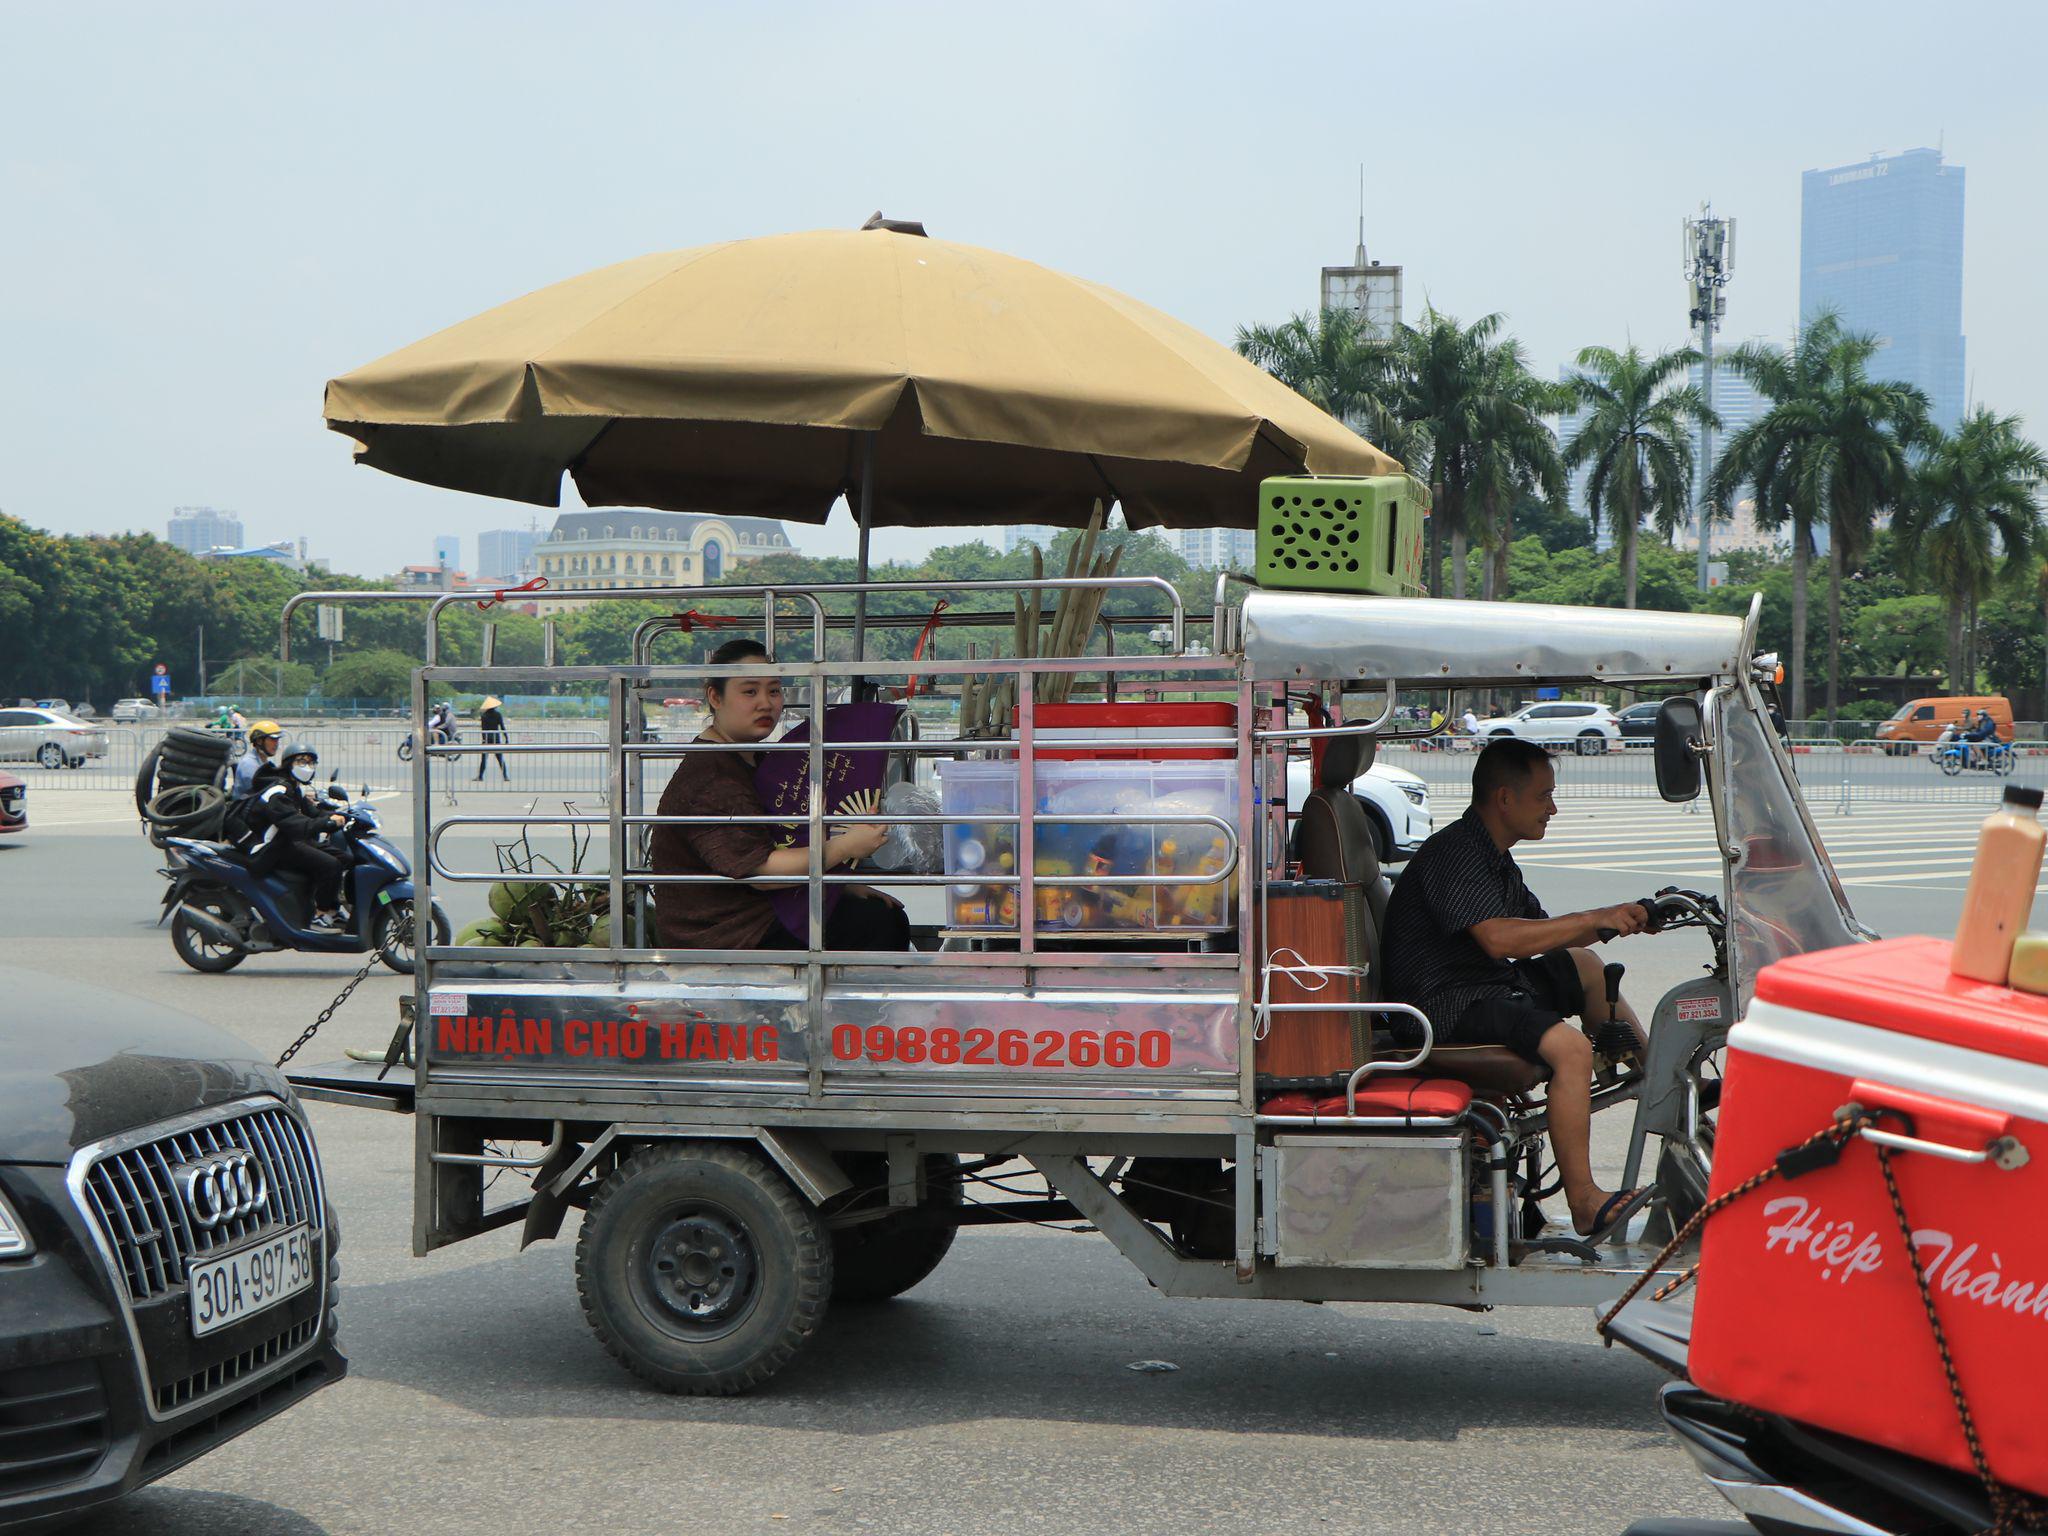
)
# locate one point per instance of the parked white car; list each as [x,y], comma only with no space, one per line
[1396,803]
[135,709]
[46,737]
[1584,727]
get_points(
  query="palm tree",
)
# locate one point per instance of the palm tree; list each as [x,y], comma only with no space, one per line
[1327,359]
[1514,454]
[1973,513]
[1439,381]
[1638,437]
[1832,451]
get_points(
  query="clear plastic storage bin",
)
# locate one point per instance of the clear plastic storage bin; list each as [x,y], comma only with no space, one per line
[1083,859]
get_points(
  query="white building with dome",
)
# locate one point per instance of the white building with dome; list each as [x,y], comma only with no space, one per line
[625,548]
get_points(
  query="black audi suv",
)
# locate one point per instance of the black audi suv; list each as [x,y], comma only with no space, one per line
[167,1256]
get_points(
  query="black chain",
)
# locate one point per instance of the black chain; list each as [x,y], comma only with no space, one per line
[403,936]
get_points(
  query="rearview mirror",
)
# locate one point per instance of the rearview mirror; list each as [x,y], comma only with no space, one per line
[1678,762]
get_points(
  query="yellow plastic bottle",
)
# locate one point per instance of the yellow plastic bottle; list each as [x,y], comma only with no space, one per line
[2001,893]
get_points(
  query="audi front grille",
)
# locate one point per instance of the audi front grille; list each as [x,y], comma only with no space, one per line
[134,1196]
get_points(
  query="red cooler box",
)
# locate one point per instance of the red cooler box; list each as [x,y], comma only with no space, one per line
[1807,1306]
[1065,730]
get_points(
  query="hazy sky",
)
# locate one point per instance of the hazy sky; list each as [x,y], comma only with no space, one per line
[206,210]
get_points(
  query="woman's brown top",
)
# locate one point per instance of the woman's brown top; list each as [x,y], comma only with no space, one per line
[713,916]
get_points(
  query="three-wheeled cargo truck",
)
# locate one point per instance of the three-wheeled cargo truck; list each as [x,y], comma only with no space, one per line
[1148,978]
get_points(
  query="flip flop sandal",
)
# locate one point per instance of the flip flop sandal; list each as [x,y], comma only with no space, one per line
[1617,1209]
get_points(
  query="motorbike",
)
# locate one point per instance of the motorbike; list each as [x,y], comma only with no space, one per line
[221,912]
[440,739]
[1993,756]
[1784,1476]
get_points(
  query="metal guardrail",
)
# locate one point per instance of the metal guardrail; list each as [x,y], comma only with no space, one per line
[364,754]
[1835,775]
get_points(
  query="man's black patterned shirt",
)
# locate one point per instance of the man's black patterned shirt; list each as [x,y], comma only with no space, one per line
[1428,957]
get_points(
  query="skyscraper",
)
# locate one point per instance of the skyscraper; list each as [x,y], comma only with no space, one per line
[1218,549]
[1737,403]
[195,530]
[448,550]
[1881,242]
[506,552]
[1017,535]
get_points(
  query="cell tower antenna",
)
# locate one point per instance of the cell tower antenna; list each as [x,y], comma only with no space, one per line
[1361,213]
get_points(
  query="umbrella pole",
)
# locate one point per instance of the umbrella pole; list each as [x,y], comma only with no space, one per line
[867,528]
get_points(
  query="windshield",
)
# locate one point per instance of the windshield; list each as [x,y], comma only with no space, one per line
[1783,896]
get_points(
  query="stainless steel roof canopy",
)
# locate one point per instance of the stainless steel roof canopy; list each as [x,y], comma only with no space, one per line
[1425,642]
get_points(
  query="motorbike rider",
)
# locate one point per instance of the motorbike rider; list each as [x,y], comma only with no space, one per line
[264,738]
[441,724]
[281,829]
[1986,729]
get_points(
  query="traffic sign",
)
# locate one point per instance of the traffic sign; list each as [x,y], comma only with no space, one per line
[162,670]
[161,683]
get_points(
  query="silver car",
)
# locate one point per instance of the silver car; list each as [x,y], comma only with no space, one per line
[45,737]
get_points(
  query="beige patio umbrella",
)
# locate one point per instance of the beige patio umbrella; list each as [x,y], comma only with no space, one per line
[752,376]
[931,383]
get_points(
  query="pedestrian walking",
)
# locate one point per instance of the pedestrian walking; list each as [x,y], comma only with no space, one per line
[491,722]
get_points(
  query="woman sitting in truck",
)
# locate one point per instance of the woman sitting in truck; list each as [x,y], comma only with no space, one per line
[729,914]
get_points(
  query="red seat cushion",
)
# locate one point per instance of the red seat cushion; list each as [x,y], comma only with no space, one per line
[1430,1098]
[1383,1098]
[1289,1104]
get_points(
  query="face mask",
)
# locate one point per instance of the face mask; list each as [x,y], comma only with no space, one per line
[303,772]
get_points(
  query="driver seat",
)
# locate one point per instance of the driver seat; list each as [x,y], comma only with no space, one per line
[1337,844]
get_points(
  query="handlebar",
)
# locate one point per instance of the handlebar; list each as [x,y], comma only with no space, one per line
[1674,908]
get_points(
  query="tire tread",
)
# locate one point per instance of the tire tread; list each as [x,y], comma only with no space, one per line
[813,1274]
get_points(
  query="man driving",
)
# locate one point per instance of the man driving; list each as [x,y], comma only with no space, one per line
[1467,943]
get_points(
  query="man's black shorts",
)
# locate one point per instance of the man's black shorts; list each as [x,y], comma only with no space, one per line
[1549,991]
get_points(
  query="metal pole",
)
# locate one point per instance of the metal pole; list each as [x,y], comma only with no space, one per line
[1706,439]
[867,525]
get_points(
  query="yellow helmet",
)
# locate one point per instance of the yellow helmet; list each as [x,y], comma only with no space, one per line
[262,728]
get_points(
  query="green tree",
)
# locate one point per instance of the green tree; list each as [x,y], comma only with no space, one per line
[1898,634]
[1513,454]
[1637,437]
[1973,514]
[261,677]
[1437,384]
[1831,451]
[1327,359]
[385,676]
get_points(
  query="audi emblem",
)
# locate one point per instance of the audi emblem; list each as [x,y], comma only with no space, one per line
[222,1187]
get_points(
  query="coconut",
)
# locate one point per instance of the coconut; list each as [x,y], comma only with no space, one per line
[481,933]
[600,934]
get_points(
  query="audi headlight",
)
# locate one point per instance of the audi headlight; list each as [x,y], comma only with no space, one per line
[14,1242]
[1417,794]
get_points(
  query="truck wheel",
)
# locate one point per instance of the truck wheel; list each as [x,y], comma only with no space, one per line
[701,1270]
[878,1260]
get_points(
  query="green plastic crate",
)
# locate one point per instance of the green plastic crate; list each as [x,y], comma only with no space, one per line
[1322,533]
